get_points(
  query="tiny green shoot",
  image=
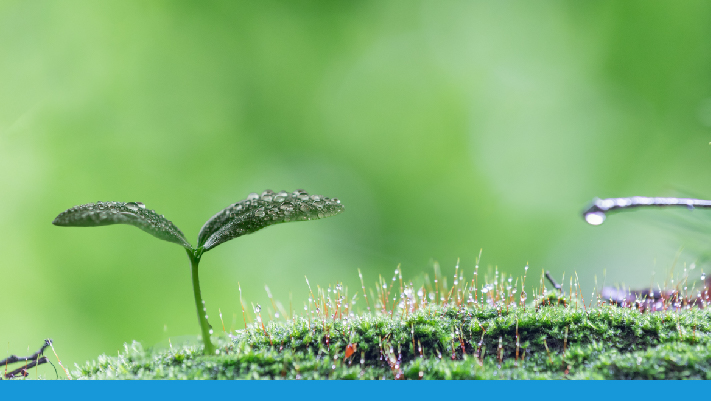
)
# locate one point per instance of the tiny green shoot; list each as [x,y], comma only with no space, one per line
[241,218]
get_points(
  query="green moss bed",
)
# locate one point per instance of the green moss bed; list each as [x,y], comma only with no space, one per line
[441,343]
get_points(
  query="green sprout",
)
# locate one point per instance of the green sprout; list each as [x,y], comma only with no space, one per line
[236,220]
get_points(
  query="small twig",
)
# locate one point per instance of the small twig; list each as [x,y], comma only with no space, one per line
[15,358]
[23,370]
[35,358]
[553,283]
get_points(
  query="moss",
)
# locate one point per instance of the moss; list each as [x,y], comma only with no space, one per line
[442,343]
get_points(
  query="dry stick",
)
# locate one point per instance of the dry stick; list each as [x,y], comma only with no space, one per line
[33,357]
[30,365]
[553,282]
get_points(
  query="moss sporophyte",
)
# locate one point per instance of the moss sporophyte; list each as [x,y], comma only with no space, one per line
[238,219]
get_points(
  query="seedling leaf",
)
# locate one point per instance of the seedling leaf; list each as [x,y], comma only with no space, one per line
[259,211]
[132,213]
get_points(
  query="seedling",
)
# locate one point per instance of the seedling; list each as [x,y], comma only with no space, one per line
[238,219]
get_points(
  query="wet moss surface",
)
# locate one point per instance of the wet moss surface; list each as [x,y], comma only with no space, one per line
[437,342]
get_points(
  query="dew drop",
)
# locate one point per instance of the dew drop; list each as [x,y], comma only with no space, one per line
[703,276]
[257,308]
[339,287]
[595,218]
[253,196]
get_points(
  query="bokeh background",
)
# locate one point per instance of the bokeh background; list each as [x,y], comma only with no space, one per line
[444,128]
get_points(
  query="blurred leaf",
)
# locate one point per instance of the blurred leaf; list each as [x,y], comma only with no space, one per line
[257,212]
[132,213]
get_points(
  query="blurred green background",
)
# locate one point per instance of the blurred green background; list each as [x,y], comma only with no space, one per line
[443,127]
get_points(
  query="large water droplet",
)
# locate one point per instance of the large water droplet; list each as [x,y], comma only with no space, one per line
[287,207]
[259,212]
[595,218]
[253,196]
[132,205]
[257,308]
